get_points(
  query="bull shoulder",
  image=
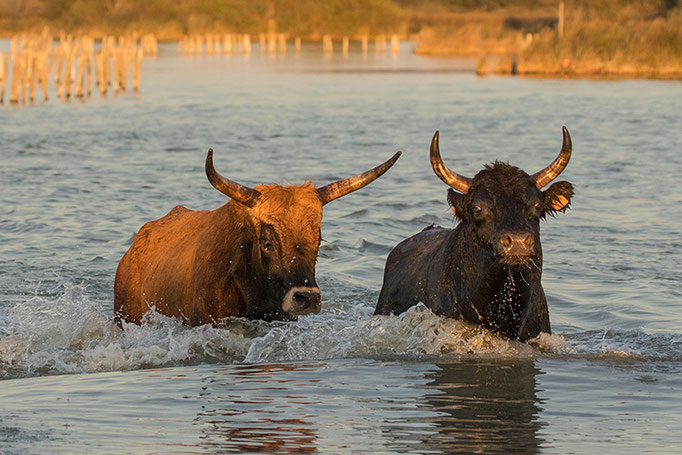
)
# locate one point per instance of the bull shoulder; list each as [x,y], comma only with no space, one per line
[422,244]
[408,272]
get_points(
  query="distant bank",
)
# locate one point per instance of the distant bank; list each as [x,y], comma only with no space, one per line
[573,38]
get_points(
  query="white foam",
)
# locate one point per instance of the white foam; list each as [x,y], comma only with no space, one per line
[417,333]
[72,334]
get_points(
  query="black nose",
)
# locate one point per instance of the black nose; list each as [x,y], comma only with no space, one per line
[307,301]
[516,243]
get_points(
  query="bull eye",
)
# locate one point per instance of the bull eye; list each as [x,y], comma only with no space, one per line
[265,245]
[477,210]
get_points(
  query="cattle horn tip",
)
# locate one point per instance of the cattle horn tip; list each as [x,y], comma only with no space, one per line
[551,172]
[455,181]
[232,189]
[341,188]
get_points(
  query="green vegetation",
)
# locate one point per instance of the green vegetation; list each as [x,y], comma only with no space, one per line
[171,19]
[641,38]
[621,37]
[644,40]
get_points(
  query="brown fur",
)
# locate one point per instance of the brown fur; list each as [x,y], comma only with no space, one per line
[202,266]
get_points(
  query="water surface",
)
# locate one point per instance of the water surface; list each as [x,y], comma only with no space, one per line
[78,179]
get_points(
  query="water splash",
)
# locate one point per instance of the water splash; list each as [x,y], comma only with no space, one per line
[70,333]
[417,333]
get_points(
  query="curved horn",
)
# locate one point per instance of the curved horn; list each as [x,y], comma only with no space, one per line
[239,193]
[456,181]
[552,171]
[338,189]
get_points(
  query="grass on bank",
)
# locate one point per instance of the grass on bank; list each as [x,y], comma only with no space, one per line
[601,37]
[172,19]
[641,38]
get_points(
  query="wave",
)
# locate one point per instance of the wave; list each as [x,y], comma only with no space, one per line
[70,333]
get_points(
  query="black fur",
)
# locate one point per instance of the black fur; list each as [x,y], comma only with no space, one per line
[461,272]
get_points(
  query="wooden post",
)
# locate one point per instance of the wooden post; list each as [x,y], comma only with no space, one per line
[89,61]
[116,60]
[42,72]
[31,75]
[238,43]
[247,44]
[70,76]
[59,62]
[297,45]
[14,44]
[227,44]
[2,77]
[61,78]
[24,55]
[137,69]
[395,44]
[150,45]
[106,69]
[216,45]
[100,73]
[17,76]
[327,44]
[261,41]
[282,43]
[365,44]
[209,45]
[560,25]
[345,46]
[80,63]
[200,45]
[128,56]
[272,44]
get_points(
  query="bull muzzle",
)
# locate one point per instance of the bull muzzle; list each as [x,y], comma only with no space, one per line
[515,247]
[301,300]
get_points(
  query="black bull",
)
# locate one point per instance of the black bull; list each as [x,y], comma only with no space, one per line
[487,270]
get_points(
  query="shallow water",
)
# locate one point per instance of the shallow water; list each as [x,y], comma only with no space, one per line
[78,179]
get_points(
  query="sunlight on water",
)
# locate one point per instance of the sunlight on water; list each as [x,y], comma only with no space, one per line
[78,180]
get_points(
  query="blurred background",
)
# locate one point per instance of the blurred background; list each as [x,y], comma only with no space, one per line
[571,37]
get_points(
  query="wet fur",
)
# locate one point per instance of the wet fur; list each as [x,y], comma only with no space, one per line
[456,273]
[202,266]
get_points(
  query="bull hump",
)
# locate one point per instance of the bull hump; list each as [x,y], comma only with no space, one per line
[178,210]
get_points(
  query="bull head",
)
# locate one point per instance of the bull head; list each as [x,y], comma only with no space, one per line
[282,235]
[504,204]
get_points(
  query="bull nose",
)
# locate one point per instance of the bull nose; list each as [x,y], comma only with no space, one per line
[521,244]
[302,300]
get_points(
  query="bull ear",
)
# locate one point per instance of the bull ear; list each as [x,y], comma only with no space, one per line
[456,201]
[557,197]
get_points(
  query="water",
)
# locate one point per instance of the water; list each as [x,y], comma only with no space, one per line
[78,179]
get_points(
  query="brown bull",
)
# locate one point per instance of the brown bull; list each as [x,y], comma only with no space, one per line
[253,257]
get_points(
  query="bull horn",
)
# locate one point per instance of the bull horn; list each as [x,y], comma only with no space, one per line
[239,193]
[338,189]
[456,181]
[552,171]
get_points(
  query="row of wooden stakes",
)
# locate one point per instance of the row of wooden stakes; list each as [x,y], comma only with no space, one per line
[76,63]
[273,43]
